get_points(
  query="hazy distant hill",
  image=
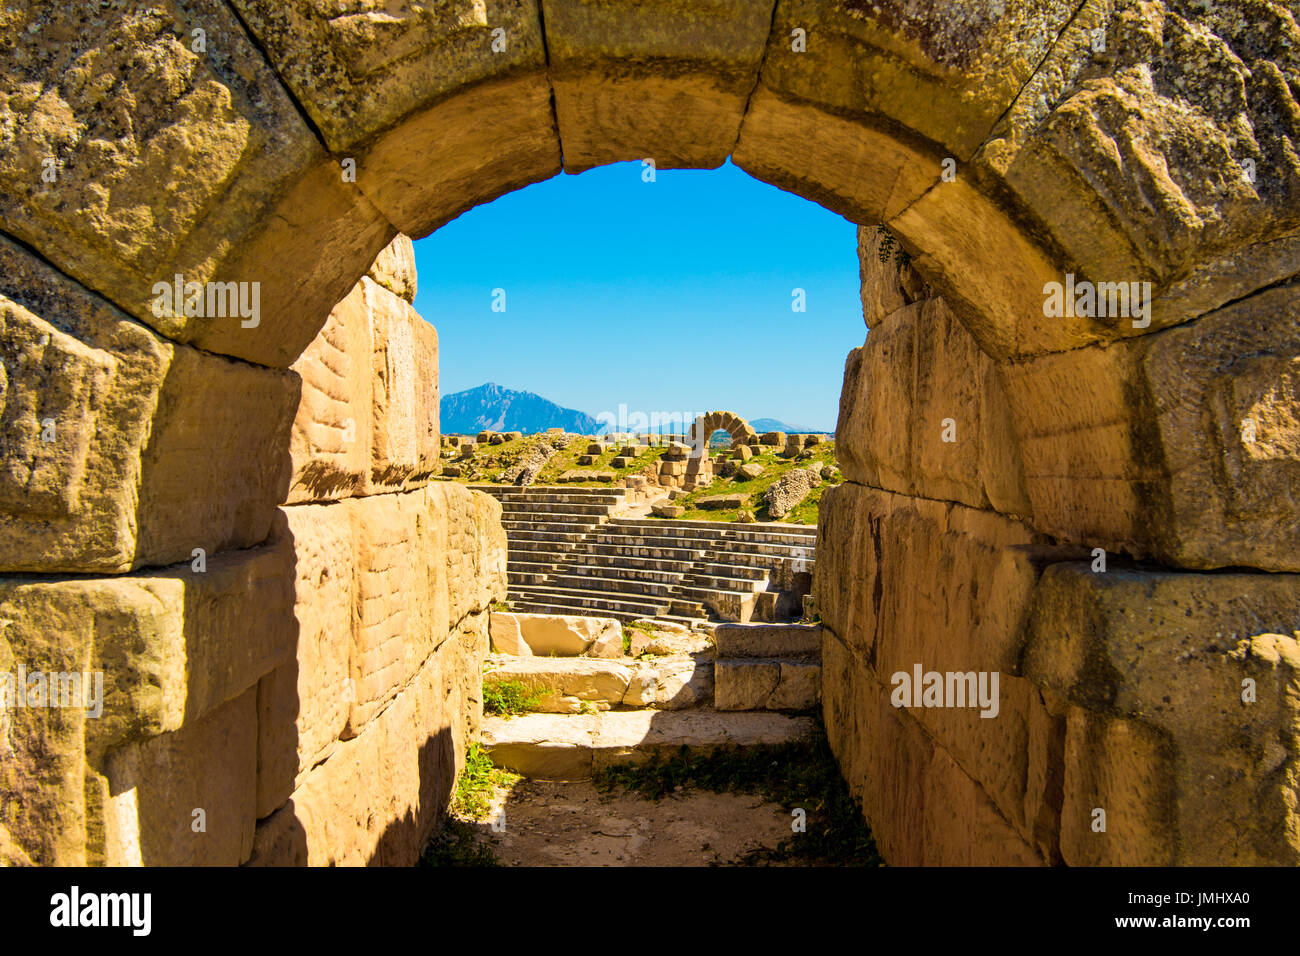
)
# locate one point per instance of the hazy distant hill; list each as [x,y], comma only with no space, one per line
[762,425]
[493,408]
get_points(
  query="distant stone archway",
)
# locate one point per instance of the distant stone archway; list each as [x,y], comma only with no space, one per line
[704,427]
[1010,148]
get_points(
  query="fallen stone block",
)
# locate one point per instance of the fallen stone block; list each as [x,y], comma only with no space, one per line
[564,635]
[722,502]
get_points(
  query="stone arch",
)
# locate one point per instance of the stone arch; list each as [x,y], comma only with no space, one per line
[731,423]
[1005,152]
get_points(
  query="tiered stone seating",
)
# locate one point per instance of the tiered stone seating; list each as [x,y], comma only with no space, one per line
[570,554]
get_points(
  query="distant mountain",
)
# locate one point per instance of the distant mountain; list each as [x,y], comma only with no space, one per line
[762,425]
[493,408]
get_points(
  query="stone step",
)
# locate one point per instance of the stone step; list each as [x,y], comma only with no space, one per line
[571,747]
[574,685]
[527,577]
[787,683]
[757,641]
[555,493]
[593,600]
[657,590]
[554,521]
[640,551]
[719,582]
[522,602]
[728,527]
[605,535]
[738,571]
[588,558]
[529,534]
[583,566]
[538,552]
[512,507]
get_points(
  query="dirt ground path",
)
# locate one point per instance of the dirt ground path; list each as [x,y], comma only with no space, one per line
[549,823]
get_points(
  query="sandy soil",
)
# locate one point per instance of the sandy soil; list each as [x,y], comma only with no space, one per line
[570,824]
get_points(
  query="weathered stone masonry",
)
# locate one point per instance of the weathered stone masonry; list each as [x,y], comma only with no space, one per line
[1003,144]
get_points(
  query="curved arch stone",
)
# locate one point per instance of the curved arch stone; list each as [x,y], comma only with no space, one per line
[1005,146]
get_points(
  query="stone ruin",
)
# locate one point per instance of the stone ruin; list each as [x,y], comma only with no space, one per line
[1095,500]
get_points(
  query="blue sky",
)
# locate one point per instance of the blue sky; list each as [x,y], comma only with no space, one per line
[673,295]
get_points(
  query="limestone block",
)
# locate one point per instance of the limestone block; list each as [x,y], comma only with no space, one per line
[1205,661]
[404,372]
[740,641]
[671,684]
[115,455]
[330,444]
[722,502]
[753,684]
[949,78]
[923,808]
[567,635]
[377,798]
[181,642]
[1138,159]
[745,685]
[666,639]
[368,420]
[394,268]
[303,705]
[360,73]
[799,686]
[848,166]
[506,635]
[248,187]
[678,92]
[400,614]
[430,168]
[1179,446]
[600,682]
[898,577]
[923,412]
[1125,769]
[186,798]
[382,582]
[889,280]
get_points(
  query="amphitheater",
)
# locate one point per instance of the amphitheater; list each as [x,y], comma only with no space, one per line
[233,513]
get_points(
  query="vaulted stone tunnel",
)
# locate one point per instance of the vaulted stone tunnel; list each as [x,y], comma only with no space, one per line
[1096,501]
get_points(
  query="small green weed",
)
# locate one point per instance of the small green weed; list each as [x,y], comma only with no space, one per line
[508,698]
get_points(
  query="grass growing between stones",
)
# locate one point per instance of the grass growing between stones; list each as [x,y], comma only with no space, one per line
[508,698]
[796,776]
[477,782]
[454,844]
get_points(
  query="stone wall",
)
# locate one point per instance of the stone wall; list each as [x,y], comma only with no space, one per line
[302,689]
[1006,146]
[1151,691]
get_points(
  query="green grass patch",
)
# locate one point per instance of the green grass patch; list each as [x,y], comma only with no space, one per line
[454,844]
[775,467]
[477,782]
[508,698]
[796,776]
